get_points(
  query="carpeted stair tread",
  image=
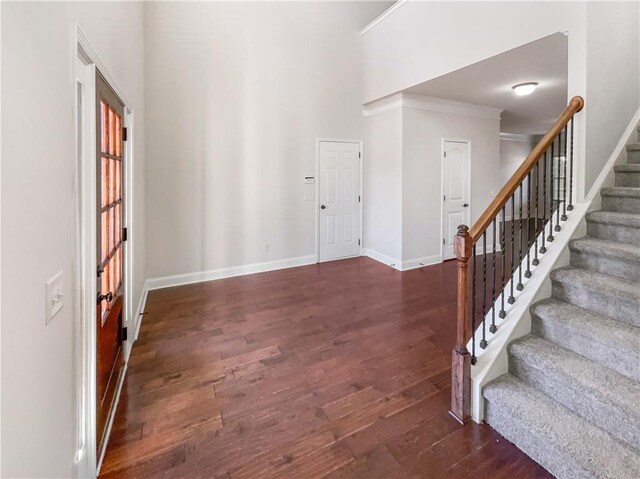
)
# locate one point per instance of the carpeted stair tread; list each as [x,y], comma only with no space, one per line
[613,258]
[600,395]
[632,168]
[603,247]
[564,443]
[633,151]
[621,198]
[602,282]
[614,225]
[600,338]
[631,220]
[627,175]
[571,398]
[621,191]
[598,292]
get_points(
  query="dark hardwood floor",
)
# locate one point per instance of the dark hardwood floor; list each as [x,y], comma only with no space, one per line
[336,370]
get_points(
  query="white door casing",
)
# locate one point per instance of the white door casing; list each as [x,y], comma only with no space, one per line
[456,180]
[338,199]
[87,462]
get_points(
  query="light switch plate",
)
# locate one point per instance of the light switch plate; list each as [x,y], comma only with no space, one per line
[54,297]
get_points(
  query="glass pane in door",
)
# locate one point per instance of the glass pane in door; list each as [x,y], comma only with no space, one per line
[111,203]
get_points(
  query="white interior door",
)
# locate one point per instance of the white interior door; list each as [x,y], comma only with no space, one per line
[339,199]
[455,192]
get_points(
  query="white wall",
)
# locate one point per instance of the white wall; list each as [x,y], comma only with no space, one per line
[403,178]
[0,243]
[38,168]
[417,43]
[422,133]
[423,40]
[383,186]
[613,79]
[236,94]
[512,153]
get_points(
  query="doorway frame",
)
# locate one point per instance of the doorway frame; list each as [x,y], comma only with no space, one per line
[319,140]
[85,63]
[467,189]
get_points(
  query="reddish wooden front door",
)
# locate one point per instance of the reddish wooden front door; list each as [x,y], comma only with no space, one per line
[110,208]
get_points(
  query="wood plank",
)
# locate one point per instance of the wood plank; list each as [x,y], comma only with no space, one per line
[377,463]
[274,461]
[335,370]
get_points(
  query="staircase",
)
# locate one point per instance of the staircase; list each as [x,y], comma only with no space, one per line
[571,399]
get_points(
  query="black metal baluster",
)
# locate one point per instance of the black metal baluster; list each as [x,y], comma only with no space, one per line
[503,244]
[570,207]
[564,178]
[512,299]
[473,308]
[527,273]
[557,227]
[550,237]
[519,287]
[493,328]
[483,341]
[543,248]
[535,261]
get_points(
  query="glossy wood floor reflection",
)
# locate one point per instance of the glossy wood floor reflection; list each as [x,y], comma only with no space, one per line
[336,370]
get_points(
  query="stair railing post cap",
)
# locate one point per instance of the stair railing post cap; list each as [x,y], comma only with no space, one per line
[463,230]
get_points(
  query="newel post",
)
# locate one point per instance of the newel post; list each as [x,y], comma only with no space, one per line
[461,359]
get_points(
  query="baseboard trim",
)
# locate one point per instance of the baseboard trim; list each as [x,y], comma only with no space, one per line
[383,258]
[421,262]
[211,275]
[402,265]
[139,312]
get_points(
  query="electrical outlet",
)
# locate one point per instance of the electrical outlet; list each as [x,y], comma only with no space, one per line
[54,297]
[267,247]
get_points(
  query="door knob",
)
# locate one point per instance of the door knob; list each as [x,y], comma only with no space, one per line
[322,206]
[465,205]
[108,297]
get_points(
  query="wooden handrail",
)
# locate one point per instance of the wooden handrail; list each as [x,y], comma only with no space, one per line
[463,244]
[575,105]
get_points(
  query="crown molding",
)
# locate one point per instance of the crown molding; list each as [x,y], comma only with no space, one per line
[388,103]
[420,102]
[516,137]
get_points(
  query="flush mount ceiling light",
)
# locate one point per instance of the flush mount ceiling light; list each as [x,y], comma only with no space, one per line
[523,89]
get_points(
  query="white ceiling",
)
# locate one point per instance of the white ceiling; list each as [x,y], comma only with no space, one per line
[489,83]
